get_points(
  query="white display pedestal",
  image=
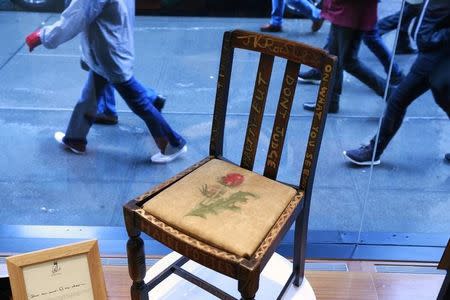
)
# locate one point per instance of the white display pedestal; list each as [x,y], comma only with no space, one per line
[273,278]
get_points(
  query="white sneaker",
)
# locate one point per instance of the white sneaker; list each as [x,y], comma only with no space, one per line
[160,158]
[78,149]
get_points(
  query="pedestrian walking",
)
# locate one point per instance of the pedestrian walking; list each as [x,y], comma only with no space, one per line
[429,71]
[375,44]
[106,102]
[349,20]
[107,44]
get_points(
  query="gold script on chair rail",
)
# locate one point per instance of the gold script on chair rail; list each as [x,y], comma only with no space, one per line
[277,47]
[318,114]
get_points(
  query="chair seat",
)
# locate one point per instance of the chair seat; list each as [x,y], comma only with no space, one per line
[223,205]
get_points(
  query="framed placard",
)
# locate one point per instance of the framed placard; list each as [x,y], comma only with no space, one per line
[68,272]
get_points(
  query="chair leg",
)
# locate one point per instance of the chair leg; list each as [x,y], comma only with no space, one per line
[299,248]
[249,287]
[444,293]
[136,266]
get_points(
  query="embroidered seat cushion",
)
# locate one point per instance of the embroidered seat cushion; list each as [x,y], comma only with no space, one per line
[224,205]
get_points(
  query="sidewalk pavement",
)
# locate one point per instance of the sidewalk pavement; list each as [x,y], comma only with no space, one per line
[42,184]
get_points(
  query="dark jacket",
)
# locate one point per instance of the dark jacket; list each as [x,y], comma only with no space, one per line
[355,14]
[434,30]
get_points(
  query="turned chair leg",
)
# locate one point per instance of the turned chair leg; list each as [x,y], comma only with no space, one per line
[249,287]
[136,266]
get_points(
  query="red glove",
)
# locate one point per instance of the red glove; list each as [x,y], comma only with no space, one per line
[33,40]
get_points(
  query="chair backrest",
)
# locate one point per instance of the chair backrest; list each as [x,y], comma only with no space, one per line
[296,54]
[444,263]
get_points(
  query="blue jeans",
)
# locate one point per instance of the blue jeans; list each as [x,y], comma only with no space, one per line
[416,82]
[277,12]
[303,7]
[136,97]
[107,102]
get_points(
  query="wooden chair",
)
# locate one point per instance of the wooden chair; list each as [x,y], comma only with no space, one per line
[224,216]
[444,264]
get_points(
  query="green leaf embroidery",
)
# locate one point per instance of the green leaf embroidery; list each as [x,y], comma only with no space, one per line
[214,204]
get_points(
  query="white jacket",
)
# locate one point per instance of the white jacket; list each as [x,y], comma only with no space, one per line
[107,41]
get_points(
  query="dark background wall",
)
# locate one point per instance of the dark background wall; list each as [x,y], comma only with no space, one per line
[232,8]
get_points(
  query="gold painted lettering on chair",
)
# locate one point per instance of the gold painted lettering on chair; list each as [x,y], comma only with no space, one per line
[317,118]
[276,47]
[275,145]
[256,113]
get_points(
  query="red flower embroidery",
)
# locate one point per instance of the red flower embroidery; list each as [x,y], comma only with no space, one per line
[232,179]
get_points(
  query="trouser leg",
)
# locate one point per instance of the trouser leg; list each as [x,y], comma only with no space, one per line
[355,67]
[135,95]
[374,42]
[277,12]
[336,46]
[388,23]
[85,110]
[440,83]
[415,84]
[305,8]
[107,102]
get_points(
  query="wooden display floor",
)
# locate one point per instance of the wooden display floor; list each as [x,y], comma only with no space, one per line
[362,281]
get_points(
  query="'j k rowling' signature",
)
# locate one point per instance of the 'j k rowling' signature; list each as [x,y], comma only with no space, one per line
[264,42]
[61,289]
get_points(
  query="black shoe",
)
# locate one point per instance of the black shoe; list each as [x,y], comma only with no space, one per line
[362,156]
[270,28]
[405,50]
[316,25]
[106,119]
[447,157]
[312,76]
[333,109]
[159,102]
[77,147]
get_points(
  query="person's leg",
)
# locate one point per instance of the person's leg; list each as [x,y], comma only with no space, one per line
[305,8]
[276,18]
[277,12]
[85,110]
[373,41]
[336,46]
[355,67]
[336,40]
[415,84]
[388,23]
[106,107]
[440,82]
[109,103]
[136,97]
[313,76]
